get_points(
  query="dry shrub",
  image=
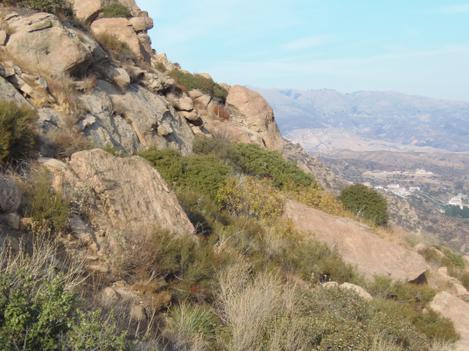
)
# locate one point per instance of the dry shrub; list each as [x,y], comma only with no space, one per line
[65,142]
[191,327]
[259,311]
[63,90]
[116,48]
[248,196]
[316,197]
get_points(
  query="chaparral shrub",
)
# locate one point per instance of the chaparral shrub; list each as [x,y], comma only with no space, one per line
[366,202]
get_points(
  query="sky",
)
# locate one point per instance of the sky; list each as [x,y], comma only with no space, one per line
[411,46]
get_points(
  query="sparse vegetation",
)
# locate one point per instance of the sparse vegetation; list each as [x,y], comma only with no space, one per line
[117,48]
[115,10]
[58,7]
[191,81]
[47,209]
[366,202]
[18,139]
[39,311]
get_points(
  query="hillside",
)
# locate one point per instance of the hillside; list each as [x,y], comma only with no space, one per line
[145,207]
[398,119]
[386,139]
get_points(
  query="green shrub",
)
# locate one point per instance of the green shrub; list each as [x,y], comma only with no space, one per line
[48,210]
[191,81]
[253,160]
[365,202]
[115,10]
[91,332]
[393,322]
[202,173]
[43,316]
[18,139]
[58,7]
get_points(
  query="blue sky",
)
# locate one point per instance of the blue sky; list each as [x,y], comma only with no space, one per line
[412,46]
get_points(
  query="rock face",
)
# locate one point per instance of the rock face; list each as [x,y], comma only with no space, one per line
[457,311]
[130,199]
[86,10]
[120,28]
[357,244]
[9,93]
[10,196]
[251,120]
[40,43]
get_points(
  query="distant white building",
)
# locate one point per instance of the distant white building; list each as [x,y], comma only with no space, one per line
[459,201]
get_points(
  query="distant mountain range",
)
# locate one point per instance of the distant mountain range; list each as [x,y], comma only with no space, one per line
[387,120]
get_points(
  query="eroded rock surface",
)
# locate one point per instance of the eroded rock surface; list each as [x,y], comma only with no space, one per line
[457,311]
[41,43]
[130,200]
[357,244]
[251,120]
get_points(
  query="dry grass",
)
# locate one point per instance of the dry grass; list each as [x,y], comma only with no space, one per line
[39,260]
[259,311]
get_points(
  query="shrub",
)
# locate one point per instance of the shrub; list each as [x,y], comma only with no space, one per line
[38,311]
[58,7]
[250,197]
[417,296]
[255,161]
[185,264]
[48,210]
[365,202]
[190,327]
[115,10]
[168,162]
[91,332]
[18,139]
[191,81]
[118,49]
[202,173]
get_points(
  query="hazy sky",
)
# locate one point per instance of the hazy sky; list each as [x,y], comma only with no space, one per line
[412,46]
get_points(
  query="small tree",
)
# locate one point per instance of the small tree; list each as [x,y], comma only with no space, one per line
[366,202]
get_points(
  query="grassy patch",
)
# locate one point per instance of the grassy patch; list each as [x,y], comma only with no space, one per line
[191,81]
[115,10]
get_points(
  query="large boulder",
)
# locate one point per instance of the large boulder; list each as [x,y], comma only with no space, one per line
[86,10]
[255,114]
[8,92]
[123,30]
[357,244]
[40,43]
[457,311]
[128,199]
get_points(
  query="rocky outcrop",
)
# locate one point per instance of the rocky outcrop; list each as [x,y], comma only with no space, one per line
[41,44]
[86,10]
[121,29]
[312,165]
[251,120]
[441,280]
[129,199]
[357,244]
[457,311]
[9,93]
